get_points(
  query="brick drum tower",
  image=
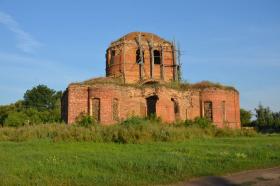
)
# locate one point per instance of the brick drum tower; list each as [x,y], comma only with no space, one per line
[143,78]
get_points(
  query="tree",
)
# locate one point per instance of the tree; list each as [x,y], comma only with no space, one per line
[41,97]
[267,120]
[40,105]
[245,117]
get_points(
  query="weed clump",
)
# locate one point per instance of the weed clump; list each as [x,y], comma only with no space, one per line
[85,120]
[132,130]
[199,122]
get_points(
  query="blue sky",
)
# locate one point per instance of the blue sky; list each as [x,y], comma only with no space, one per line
[235,42]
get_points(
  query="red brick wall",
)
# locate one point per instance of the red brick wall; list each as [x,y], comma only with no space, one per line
[106,94]
[194,106]
[77,101]
[132,101]
[125,61]
[232,109]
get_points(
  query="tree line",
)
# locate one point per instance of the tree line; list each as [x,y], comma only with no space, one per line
[265,119]
[39,105]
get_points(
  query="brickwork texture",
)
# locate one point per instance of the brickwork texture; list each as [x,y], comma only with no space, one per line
[139,59]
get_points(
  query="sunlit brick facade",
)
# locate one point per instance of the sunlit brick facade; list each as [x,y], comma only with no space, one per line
[139,69]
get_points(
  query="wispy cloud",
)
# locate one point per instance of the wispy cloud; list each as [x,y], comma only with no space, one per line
[25,41]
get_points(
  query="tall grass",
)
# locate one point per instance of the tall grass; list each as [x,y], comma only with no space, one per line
[133,130]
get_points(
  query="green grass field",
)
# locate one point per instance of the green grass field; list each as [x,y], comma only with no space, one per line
[43,162]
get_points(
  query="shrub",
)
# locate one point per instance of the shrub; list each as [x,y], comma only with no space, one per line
[154,118]
[33,116]
[16,119]
[188,123]
[85,120]
[198,121]
[203,122]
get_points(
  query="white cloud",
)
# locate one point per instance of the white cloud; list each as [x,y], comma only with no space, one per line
[25,41]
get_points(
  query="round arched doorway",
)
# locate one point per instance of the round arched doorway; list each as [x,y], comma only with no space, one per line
[151,105]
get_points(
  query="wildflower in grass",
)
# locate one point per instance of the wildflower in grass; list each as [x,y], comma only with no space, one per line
[53,160]
[240,155]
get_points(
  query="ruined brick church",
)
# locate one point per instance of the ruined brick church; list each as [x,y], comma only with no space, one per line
[143,79]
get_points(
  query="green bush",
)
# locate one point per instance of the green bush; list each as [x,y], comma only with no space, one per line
[198,121]
[85,120]
[134,120]
[203,122]
[33,116]
[16,119]
[188,123]
[154,118]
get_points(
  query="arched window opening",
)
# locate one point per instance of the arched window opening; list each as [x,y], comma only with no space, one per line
[208,110]
[115,109]
[139,58]
[176,108]
[151,105]
[157,57]
[95,109]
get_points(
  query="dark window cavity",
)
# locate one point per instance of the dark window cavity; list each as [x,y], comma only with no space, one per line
[157,56]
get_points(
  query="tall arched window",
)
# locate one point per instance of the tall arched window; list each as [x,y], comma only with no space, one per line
[176,108]
[208,110]
[157,57]
[138,57]
[115,109]
[95,109]
[152,105]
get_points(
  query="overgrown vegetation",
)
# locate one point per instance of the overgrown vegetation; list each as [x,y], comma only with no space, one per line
[40,105]
[132,130]
[182,85]
[101,80]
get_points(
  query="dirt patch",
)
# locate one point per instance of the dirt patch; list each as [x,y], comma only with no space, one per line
[261,177]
